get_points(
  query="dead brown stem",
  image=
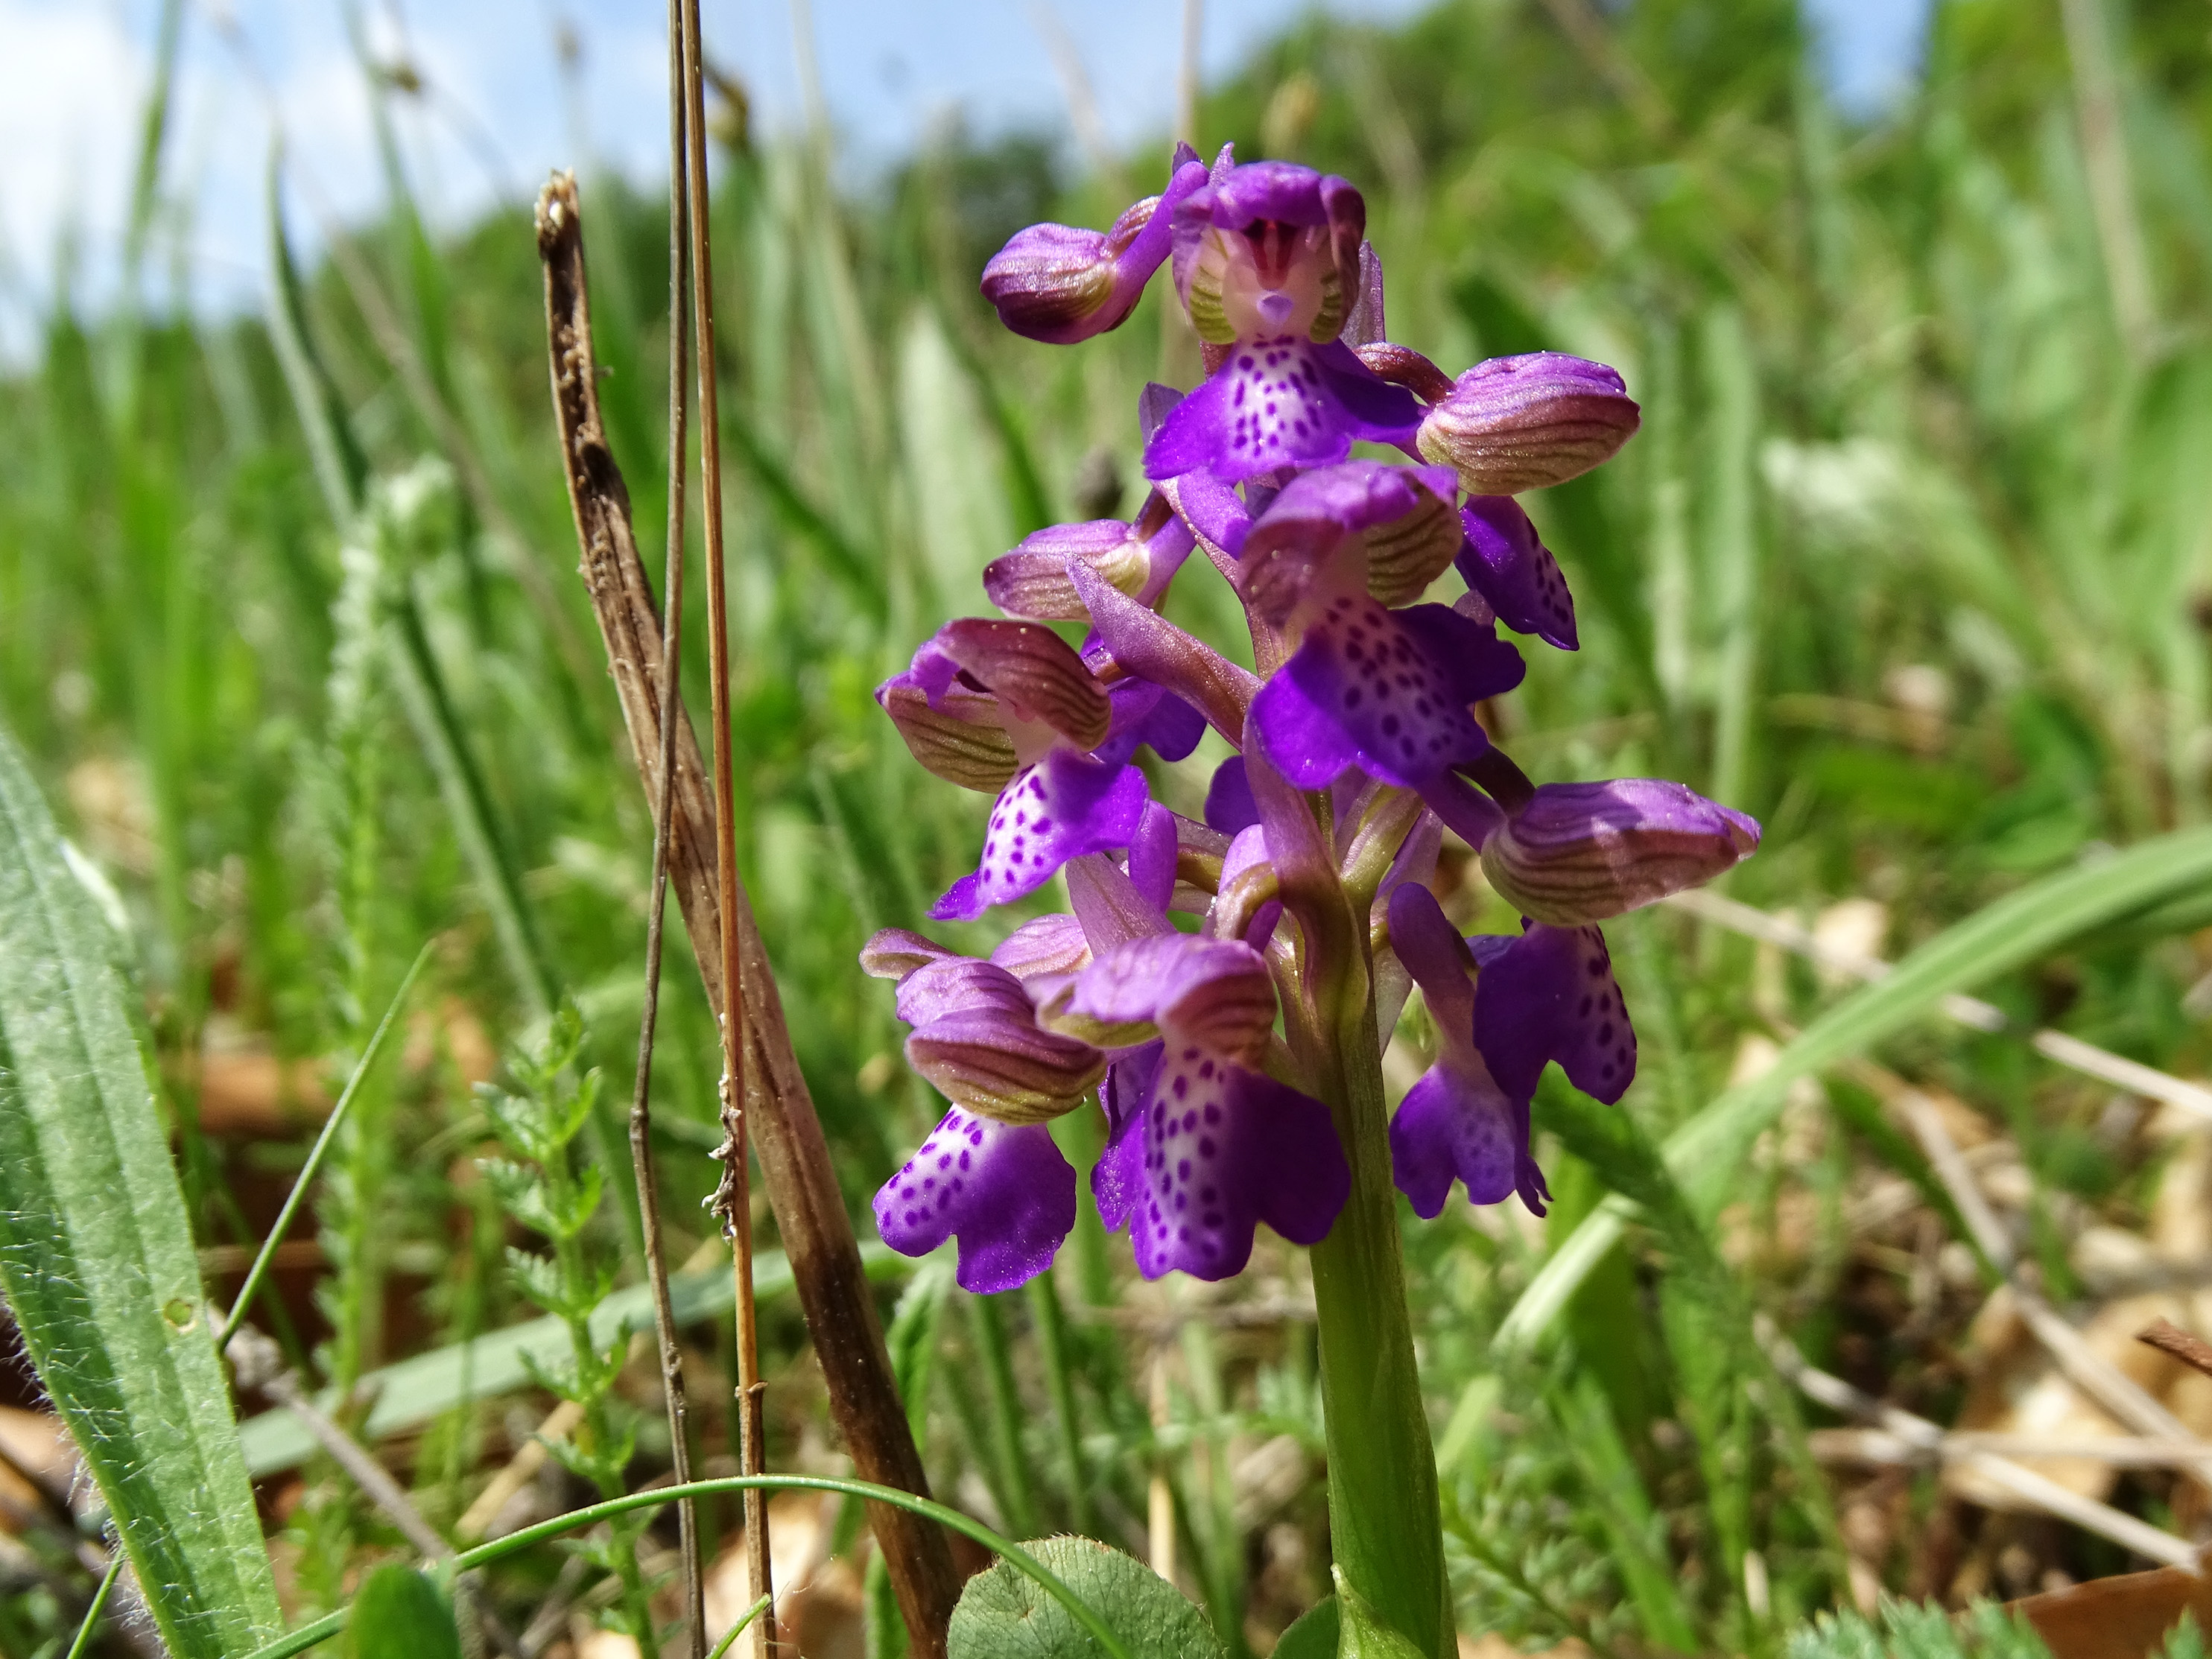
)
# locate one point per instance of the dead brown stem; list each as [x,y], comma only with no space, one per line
[2169,1338]
[802,1186]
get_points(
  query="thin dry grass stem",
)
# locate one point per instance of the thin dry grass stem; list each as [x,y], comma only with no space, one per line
[1880,1446]
[671,637]
[2088,1370]
[384,327]
[2075,1055]
[1928,1439]
[1581,23]
[733,1198]
[2112,183]
[2169,1338]
[1082,101]
[815,1229]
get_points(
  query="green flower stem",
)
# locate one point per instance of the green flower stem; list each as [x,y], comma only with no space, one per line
[1385,1529]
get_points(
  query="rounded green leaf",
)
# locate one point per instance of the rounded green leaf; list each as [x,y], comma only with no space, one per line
[1004,1615]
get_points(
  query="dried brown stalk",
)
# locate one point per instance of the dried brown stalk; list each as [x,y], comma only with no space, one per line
[802,1186]
[641,1110]
[732,1198]
[2169,1338]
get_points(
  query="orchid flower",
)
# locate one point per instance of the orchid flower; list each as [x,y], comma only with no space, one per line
[1010,706]
[1236,1069]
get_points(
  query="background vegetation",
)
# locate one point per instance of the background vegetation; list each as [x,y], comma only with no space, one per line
[1912,559]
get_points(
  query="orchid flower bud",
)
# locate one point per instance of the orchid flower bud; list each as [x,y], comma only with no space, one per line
[1032,580]
[1060,285]
[1516,423]
[1034,672]
[957,734]
[1580,852]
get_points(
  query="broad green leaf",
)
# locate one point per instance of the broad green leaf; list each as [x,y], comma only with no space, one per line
[1362,1631]
[96,1256]
[401,1614]
[1705,1153]
[1005,1614]
[1313,1635]
[413,1391]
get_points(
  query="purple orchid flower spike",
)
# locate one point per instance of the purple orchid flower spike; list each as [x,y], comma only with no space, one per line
[1456,1123]
[1575,853]
[1060,285]
[1266,260]
[1203,1146]
[1009,705]
[989,1173]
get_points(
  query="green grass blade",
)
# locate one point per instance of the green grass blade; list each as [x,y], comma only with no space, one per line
[413,1391]
[1705,1153]
[96,1255]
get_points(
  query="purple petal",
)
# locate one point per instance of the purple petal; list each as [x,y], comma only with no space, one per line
[1388,690]
[1402,514]
[1060,808]
[1209,509]
[1580,852]
[1248,851]
[1550,995]
[1034,673]
[1044,944]
[1060,284]
[1373,409]
[1107,903]
[1223,1150]
[1303,735]
[1117,1180]
[1229,804]
[1456,1125]
[1152,856]
[955,983]
[1150,647]
[1154,716]
[1504,560]
[958,733]
[1004,1190]
[1278,401]
[1153,404]
[1364,325]
[894,952]
[1032,580]
[1437,958]
[1003,1068]
[1213,992]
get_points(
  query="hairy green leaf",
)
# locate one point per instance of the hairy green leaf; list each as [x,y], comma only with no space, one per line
[96,1255]
[1004,1615]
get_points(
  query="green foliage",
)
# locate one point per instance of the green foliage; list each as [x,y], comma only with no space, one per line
[398,1613]
[1912,1630]
[545,1191]
[96,1256]
[1362,1632]
[1005,1614]
[1314,1634]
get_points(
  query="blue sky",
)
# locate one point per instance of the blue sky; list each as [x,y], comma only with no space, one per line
[73,72]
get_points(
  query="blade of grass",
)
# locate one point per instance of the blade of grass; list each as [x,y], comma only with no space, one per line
[2013,932]
[316,1153]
